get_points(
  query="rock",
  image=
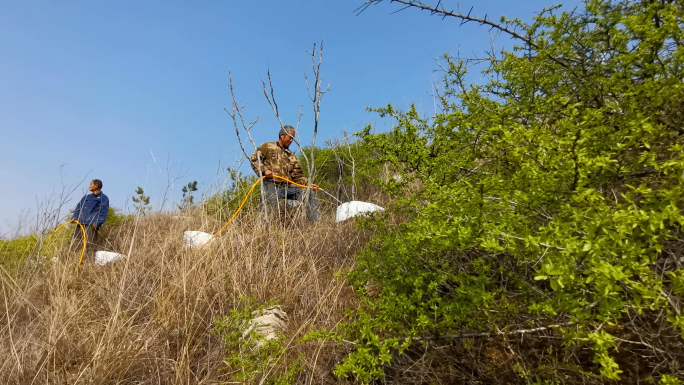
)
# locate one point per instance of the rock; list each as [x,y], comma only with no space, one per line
[267,322]
[373,289]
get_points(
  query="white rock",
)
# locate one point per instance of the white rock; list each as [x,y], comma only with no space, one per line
[196,238]
[354,208]
[267,322]
[105,257]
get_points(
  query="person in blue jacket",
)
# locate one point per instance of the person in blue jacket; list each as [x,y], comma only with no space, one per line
[91,212]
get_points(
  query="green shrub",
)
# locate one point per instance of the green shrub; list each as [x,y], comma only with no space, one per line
[551,195]
[15,252]
[116,218]
[224,204]
[344,168]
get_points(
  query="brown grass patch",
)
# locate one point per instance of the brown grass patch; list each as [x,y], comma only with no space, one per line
[148,318]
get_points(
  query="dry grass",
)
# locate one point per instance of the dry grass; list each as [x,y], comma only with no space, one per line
[148,318]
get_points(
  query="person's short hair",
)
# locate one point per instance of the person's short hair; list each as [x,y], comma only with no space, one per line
[286,130]
[98,183]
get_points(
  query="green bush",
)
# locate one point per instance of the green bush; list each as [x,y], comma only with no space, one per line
[346,169]
[13,253]
[116,218]
[224,204]
[549,196]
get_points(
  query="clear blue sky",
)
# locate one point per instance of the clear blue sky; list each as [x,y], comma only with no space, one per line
[95,88]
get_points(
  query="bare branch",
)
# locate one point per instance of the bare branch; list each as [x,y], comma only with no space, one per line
[315,94]
[671,302]
[271,99]
[296,138]
[171,180]
[236,111]
[483,334]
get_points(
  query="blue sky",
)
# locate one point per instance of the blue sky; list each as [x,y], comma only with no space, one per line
[111,90]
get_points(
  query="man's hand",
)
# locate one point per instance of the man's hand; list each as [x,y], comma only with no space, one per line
[268,174]
[315,187]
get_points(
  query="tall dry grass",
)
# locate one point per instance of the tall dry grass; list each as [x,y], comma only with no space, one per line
[148,319]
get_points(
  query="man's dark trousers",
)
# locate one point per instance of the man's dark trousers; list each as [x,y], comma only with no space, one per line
[277,196]
[91,238]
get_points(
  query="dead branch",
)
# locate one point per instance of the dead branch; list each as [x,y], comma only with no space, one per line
[171,180]
[234,113]
[236,110]
[486,334]
[315,94]
[271,99]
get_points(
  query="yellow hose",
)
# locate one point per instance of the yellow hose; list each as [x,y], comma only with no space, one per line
[245,201]
[85,237]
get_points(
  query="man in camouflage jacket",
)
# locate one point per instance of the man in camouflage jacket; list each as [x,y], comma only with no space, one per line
[275,158]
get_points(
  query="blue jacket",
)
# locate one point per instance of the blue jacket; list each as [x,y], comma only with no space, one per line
[92,209]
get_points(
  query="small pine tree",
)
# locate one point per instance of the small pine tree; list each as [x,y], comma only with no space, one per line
[142,201]
[188,199]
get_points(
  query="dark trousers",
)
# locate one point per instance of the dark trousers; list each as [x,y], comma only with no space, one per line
[280,198]
[91,239]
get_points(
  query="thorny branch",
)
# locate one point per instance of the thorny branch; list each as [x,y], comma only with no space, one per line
[440,10]
[436,10]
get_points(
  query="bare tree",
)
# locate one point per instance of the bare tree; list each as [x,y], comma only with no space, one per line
[349,157]
[315,94]
[346,163]
[270,97]
[236,114]
[170,180]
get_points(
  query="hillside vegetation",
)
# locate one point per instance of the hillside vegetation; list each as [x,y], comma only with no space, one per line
[534,235]
[150,318]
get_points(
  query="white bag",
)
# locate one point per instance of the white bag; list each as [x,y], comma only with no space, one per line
[354,208]
[105,257]
[196,238]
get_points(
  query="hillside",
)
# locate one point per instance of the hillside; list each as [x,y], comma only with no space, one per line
[534,234]
[150,318]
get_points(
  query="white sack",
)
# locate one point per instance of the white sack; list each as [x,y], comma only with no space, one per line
[105,257]
[354,208]
[196,238]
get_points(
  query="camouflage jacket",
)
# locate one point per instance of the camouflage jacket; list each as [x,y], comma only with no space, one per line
[281,161]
